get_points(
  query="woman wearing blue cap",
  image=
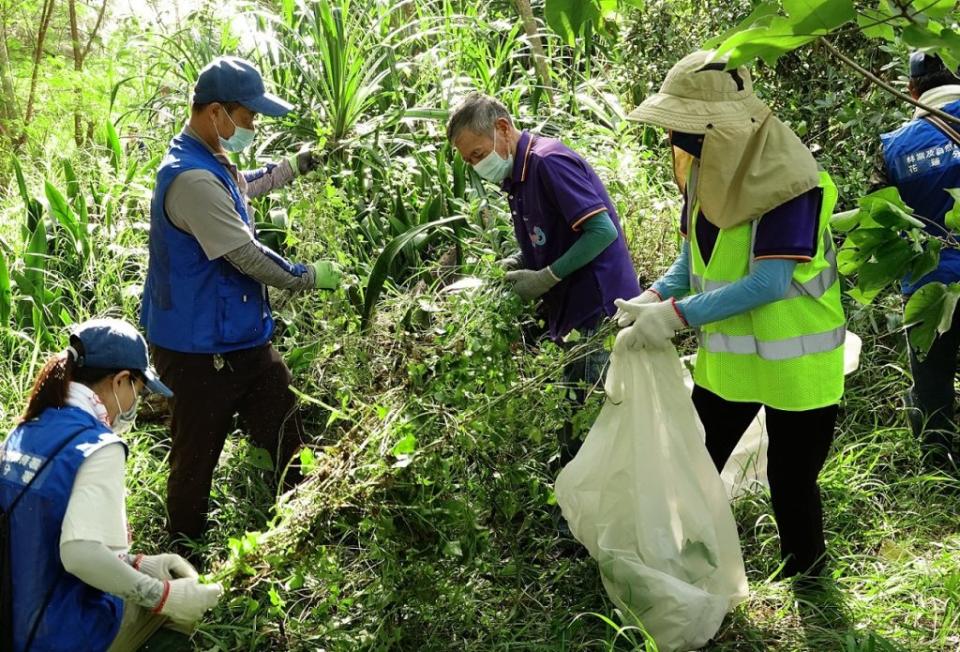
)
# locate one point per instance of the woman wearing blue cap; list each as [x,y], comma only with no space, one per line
[68,580]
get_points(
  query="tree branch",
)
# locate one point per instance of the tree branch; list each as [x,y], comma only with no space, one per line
[96,28]
[884,85]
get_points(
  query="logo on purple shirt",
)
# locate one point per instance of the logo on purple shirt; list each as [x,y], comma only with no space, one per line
[538,237]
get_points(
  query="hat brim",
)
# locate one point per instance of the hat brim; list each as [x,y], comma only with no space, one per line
[154,385]
[268,104]
[696,116]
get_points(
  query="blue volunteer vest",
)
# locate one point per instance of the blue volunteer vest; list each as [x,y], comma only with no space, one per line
[192,304]
[53,611]
[922,162]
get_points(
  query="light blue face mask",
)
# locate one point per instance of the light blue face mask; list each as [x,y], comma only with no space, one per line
[493,167]
[125,419]
[239,141]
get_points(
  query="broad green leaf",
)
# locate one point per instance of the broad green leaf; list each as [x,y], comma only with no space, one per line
[21,182]
[877,23]
[810,17]
[952,218]
[60,210]
[767,43]
[568,17]
[405,446]
[35,258]
[761,16]
[73,186]
[381,268]
[934,8]
[112,141]
[6,296]
[845,221]
[917,36]
[260,458]
[889,194]
[927,261]
[927,310]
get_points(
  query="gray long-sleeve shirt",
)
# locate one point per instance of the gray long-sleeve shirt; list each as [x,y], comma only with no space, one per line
[197,203]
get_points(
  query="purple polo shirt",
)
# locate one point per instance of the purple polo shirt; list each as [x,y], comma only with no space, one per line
[787,231]
[551,192]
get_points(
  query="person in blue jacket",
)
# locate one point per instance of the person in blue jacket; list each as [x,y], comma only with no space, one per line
[69,582]
[922,160]
[206,310]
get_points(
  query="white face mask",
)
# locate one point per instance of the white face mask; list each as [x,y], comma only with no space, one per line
[239,141]
[125,420]
[493,167]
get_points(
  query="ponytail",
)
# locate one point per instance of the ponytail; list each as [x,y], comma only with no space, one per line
[51,386]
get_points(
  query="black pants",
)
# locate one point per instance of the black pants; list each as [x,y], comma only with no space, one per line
[931,397]
[799,443]
[253,384]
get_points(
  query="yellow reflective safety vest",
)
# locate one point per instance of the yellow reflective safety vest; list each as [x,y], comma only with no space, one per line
[787,354]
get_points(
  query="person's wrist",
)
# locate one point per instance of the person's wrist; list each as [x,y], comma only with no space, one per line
[674,315]
[163,598]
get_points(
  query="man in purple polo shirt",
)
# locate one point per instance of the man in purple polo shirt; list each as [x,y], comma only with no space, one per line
[572,255]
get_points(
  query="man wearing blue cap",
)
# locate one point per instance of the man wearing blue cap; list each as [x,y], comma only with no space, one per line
[922,159]
[205,305]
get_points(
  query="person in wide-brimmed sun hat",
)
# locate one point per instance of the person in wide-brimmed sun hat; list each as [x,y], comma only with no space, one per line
[757,279]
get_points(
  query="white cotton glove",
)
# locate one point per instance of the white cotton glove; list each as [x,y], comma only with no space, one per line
[653,324]
[165,567]
[625,318]
[531,284]
[187,600]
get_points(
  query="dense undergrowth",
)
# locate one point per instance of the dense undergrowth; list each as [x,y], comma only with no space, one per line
[427,519]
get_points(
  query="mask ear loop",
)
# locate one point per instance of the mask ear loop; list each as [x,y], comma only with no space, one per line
[76,351]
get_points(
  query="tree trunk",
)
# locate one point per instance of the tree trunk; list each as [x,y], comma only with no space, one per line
[46,14]
[539,56]
[8,97]
[78,68]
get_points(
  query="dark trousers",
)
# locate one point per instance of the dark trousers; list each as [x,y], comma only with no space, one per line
[931,397]
[799,443]
[253,384]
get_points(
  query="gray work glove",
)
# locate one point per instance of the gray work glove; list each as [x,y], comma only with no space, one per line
[165,567]
[530,284]
[305,161]
[187,600]
[511,263]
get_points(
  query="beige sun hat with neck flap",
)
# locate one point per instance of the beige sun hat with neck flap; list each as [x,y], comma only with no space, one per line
[751,162]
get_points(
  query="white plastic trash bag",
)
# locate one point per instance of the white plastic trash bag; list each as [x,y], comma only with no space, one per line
[644,498]
[746,468]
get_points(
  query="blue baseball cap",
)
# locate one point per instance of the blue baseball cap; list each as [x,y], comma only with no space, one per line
[114,344]
[925,63]
[232,79]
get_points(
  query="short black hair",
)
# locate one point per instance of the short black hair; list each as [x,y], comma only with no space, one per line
[197,107]
[942,77]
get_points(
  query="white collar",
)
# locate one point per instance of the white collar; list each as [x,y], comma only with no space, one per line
[81,396]
[938,98]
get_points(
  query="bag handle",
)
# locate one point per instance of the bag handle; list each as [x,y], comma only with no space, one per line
[941,124]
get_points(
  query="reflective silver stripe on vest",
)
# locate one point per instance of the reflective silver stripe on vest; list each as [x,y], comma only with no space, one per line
[815,287]
[787,349]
